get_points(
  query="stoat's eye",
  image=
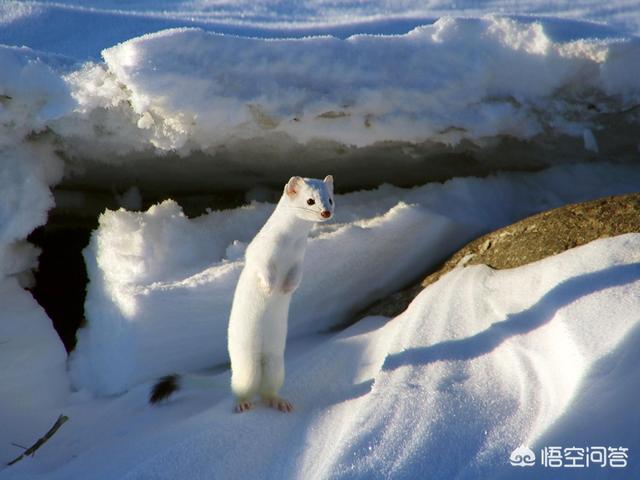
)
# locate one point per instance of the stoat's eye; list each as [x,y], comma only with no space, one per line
[311,201]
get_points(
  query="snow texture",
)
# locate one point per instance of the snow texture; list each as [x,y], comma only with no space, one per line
[482,362]
[33,378]
[190,104]
[187,89]
[30,95]
[161,284]
[82,29]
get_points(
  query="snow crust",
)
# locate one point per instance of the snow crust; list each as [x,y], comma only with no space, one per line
[81,29]
[160,282]
[211,110]
[482,362]
[456,79]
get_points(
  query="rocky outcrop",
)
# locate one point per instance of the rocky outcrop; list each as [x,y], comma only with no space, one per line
[534,238]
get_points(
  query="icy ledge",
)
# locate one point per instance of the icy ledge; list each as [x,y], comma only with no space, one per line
[451,87]
[186,110]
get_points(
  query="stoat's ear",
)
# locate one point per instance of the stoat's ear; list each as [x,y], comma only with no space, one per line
[329,179]
[292,186]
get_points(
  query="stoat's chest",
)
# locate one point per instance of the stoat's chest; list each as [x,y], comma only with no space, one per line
[286,251]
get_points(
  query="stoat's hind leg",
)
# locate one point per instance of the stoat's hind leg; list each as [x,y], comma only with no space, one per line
[246,374]
[278,403]
[272,380]
[242,406]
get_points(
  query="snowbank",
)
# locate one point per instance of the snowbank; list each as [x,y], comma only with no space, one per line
[458,97]
[31,94]
[456,79]
[485,361]
[33,378]
[161,285]
[190,110]
[482,362]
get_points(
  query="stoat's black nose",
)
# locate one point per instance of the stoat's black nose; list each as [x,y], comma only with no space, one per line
[325,214]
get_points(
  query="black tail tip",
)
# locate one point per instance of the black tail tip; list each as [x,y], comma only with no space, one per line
[164,388]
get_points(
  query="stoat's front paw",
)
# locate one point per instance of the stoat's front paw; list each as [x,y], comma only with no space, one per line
[265,285]
[267,279]
[292,280]
[288,288]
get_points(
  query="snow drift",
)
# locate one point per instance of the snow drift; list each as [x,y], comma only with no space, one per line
[480,363]
[190,111]
[161,284]
[455,79]
[33,380]
[474,369]
[461,95]
[33,377]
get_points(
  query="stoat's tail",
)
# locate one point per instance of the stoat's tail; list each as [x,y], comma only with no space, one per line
[170,384]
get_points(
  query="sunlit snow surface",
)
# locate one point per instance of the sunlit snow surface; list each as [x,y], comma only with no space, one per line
[160,281]
[483,362]
[211,110]
[81,29]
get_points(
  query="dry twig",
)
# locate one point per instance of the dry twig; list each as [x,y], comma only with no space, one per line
[41,441]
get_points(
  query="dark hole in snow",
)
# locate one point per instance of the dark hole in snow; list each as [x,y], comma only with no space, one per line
[61,278]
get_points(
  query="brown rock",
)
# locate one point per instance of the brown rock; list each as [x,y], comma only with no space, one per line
[534,238]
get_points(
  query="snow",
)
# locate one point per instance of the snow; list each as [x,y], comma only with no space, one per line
[186,84]
[120,97]
[30,95]
[204,108]
[81,29]
[160,281]
[33,379]
[187,89]
[481,362]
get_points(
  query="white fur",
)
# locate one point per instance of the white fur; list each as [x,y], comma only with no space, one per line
[272,272]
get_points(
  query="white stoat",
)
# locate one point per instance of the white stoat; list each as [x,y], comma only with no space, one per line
[272,272]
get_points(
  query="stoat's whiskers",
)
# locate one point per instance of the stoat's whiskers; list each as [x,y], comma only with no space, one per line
[301,208]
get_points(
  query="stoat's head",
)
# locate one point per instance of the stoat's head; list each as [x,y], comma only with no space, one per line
[309,198]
